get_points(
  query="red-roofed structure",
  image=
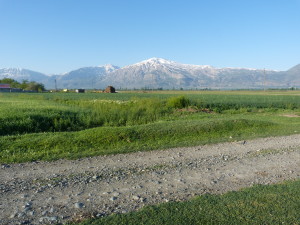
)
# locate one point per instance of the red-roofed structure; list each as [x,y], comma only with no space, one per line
[4,85]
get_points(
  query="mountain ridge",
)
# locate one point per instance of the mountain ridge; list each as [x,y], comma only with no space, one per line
[162,73]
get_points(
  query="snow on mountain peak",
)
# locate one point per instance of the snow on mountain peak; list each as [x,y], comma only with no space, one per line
[154,61]
[109,67]
[158,61]
[12,69]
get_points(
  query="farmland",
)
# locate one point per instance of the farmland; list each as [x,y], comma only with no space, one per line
[205,143]
[57,125]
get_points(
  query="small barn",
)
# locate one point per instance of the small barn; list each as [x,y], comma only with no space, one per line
[5,88]
[80,90]
[110,89]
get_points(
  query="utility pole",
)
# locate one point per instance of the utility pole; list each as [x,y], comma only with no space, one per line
[264,79]
[55,85]
[152,82]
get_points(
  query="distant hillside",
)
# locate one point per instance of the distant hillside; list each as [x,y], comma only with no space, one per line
[86,77]
[162,73]
[23,74]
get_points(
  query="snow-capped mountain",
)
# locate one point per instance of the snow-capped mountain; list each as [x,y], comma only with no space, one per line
[157,72]
[85,77]
[22,74]
[162,73]
[109,68]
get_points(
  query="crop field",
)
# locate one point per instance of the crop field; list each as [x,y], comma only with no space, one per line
[50,126]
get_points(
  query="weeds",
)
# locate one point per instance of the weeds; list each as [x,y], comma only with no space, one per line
[49,127]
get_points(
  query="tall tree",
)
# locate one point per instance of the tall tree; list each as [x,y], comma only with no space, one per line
[25,85]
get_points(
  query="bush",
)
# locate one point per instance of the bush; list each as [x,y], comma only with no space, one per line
[178,102]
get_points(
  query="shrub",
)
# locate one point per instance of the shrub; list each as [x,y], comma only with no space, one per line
[178,102]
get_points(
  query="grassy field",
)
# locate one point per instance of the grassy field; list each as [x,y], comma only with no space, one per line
[51,126]
[272,204]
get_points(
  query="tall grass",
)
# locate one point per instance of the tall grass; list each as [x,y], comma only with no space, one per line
[73,115]
[113,140]
[48,127]
[33,113]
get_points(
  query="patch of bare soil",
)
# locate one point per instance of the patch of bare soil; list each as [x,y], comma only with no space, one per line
[291,115]
[56,192]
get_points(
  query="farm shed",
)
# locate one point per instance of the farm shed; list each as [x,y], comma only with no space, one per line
[4,85]
[5,88]
[80,90]
[110,89]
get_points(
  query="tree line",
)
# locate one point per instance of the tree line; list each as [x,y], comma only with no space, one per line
[25,84]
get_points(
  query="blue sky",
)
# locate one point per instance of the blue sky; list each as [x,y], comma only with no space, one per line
[56,36]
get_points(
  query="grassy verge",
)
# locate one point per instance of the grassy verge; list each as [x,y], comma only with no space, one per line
[271,204]
[50,127]
[188,131]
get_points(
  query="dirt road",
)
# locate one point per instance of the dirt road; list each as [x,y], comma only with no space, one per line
[52,192]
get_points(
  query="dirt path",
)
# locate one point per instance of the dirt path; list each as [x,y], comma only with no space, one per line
[41,193]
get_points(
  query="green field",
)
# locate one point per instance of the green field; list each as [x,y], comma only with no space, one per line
[50,126]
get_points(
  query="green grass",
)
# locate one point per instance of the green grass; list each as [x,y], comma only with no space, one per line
[53,126]
[270,204]
[58,112]
[189,130]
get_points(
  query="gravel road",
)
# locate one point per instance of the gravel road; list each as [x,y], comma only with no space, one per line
[56,192]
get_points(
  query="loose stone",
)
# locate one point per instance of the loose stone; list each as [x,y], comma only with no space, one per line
[113,198]
[13,215]
[48,218]
[21,214]
[79,205]
[135,197]
[116,194]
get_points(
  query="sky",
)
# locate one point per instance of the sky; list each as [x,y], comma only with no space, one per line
[57,36]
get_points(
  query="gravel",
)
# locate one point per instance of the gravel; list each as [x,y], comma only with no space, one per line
[56,192]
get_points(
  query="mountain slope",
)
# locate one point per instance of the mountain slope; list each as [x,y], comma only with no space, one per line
[156,72]
[85,77]
[162,73]
[293,76]
[23,74]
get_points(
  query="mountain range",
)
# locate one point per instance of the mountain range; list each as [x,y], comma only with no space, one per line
[161,73]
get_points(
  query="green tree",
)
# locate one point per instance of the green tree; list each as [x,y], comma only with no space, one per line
[25,85]
[13,83]
[34,86]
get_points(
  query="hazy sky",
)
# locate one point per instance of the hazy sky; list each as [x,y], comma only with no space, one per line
[56,36]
